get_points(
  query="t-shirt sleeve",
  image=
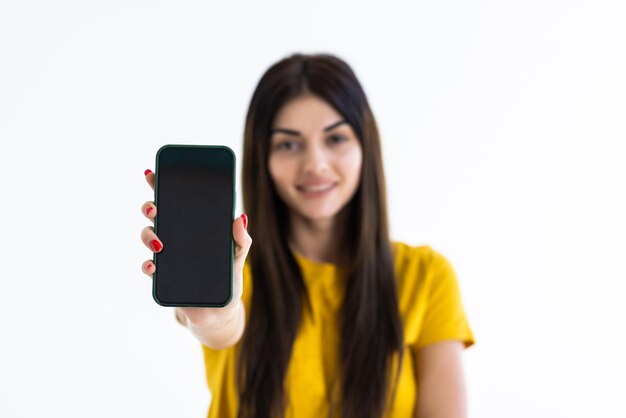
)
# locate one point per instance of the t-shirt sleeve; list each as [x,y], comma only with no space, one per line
[444,316]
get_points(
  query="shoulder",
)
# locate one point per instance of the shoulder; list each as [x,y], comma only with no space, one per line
[422,275]
[403,251]
[415,268]
[418,263]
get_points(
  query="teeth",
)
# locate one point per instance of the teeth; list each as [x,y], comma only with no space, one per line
[319,188]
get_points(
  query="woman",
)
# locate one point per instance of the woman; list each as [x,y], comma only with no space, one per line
[330,318]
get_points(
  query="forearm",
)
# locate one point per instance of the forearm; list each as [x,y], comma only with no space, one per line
[222,334]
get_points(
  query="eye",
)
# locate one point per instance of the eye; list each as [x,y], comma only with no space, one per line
[337,139]
[286,145]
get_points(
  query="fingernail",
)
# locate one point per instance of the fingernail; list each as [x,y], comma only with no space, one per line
[245,220]
[145,173]
[148,210]
[156,246]
[149,266]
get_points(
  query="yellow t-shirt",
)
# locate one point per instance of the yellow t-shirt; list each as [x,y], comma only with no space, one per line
[431,310]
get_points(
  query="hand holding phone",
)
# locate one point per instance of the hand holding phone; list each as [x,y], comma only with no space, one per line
[200,316]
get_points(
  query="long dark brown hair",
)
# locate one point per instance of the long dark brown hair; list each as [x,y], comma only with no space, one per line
[370,324]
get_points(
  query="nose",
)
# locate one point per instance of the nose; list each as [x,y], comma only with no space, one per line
[315,160]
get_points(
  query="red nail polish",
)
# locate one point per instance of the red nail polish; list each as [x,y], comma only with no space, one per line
[149,266]
[156,246]
[245,220]
[148,210]
[145,173]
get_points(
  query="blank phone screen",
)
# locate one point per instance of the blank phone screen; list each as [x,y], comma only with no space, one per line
[194,195]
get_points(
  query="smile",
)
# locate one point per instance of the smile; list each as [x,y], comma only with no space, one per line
[318,189]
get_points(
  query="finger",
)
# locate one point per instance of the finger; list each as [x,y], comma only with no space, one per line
[243,243]
[148,267]
[242,239]
[149,210]
[149,177]
[150,239]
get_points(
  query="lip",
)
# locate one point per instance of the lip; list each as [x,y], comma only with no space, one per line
[316,193]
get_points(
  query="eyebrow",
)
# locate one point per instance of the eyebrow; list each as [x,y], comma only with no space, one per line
[297,133]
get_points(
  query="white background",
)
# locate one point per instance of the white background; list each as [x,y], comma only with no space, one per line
[503,124]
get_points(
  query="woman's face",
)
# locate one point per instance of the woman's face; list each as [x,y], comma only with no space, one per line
[315,158]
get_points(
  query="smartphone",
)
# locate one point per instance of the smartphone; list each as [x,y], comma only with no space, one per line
[194,192]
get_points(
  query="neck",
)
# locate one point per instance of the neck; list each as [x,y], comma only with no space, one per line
[317,240]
